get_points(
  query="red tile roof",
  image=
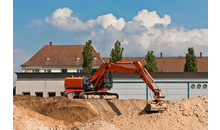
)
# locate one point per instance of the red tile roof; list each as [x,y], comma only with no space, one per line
[66,55]
[61,55]
[169,64]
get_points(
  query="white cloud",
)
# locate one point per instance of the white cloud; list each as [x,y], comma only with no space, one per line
[140,35]
[150,19]
[107,20]
[47,20]
[63,13]
[62,19]
[176,42]
[137,36]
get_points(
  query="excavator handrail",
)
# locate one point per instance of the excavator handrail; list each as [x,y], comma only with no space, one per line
[99,76]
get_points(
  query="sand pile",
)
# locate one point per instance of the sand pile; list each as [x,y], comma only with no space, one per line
[187,114]
[59,108]
[62,113]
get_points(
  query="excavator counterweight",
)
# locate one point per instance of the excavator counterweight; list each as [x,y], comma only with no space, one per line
[96,86]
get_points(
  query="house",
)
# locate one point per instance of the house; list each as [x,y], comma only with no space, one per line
[59,58]
[68,58]
[169,64]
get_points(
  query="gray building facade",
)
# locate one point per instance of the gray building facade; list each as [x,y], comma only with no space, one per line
[174,85]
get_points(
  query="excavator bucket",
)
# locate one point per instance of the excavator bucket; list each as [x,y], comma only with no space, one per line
[153,107]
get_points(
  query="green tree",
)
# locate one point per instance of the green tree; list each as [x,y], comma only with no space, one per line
[191,62]
[116,53]
[151,65]
[87,57]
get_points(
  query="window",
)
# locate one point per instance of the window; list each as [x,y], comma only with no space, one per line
[204,86]
[64,70]
[26,93]
[28,71]
[61,93]
[193,86]
[80,70]
[93,71]
[39,94]
[51,94]
[47,70]
[35,71]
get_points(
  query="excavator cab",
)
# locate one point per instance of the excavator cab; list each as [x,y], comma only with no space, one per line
[107,84]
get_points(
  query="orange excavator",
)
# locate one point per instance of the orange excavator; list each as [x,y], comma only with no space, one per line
[96,87]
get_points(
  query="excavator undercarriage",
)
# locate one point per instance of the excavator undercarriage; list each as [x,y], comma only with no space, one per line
[98,95]
[92,95]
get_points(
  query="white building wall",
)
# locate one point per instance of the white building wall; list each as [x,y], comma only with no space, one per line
[30,86]
[171,91]
[40,86]
[129,90]
[198,91]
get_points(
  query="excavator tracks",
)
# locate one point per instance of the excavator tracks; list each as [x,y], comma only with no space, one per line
[98,95]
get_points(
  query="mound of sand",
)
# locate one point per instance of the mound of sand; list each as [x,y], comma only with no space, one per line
[59,108]
[92,114]
[186,114]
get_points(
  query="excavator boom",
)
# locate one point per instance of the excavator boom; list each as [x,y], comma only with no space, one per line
[100,75]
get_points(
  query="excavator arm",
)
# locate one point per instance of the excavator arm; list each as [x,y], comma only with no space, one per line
[100,75]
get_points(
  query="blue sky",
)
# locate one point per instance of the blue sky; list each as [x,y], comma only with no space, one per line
[168,26]
[187,13]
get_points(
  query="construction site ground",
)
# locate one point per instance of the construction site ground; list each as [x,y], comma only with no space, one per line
[60,113]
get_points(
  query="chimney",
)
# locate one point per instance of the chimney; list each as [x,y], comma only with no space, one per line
[200,54]
[99,54]
[50,43]
[86,43]
[161,54]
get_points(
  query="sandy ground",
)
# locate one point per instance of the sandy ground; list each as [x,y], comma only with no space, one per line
[60,113]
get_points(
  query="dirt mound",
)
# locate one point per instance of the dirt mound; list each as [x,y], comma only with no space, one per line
[21,121]
[92,114]
[189,113]
[116,107]
[59,108]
